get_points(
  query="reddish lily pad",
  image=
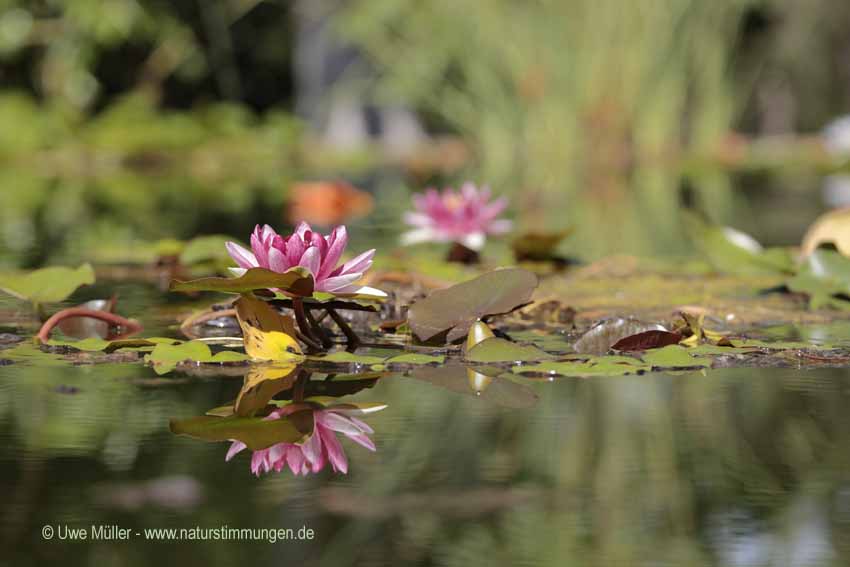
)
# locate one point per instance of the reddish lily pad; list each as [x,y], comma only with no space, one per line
[647,340]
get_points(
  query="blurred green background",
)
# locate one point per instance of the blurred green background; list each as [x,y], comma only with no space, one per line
[129,121]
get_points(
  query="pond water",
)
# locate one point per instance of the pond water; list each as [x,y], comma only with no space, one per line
[719,467]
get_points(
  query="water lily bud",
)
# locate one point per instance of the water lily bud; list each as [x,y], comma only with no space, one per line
[478,332]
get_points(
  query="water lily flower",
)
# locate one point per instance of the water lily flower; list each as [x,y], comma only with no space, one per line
[308,249]
[467,216]
[313,454]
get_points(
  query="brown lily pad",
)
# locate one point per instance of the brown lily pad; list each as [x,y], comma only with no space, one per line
[453,310]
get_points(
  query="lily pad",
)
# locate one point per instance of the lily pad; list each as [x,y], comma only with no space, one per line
[94,344]
[674,356]
[256,432]
[416,358]
[594,366]
[454,309]
[47,285]
[356,408]
[297,281]
[345,357]
[166,357]
[28,352]
[714,350]
[496,349]
[365,294]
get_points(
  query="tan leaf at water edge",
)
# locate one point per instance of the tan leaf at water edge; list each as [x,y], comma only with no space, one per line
[268,335]
[833,227]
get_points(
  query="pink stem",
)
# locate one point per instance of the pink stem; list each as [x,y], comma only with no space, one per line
[131,327]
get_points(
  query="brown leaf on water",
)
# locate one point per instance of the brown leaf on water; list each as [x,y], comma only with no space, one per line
[647,340]
[605,334]
[455,309]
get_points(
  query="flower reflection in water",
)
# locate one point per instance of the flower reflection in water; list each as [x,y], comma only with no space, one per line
[319,449]
[288,420]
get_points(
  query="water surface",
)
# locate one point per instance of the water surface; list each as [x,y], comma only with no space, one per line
[723,467]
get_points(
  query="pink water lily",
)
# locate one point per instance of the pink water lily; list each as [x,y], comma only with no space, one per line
[309,249]
[313,454]
[467,216]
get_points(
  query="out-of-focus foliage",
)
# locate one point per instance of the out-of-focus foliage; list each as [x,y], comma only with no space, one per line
[123,119]
[579,108]
[71,186]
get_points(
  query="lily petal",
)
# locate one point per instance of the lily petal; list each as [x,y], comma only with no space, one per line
[235,447]
[359,263]
[240,255]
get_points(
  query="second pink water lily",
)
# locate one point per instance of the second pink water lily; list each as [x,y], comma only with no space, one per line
[467,216]
[309,249]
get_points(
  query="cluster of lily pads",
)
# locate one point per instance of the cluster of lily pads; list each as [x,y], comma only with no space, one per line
[294,300]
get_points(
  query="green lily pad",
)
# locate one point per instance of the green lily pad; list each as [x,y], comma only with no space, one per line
[47,285]
[29,352]
[824,275]
[256,432]
[297,281]
[779,345]
[496,349]
[674,356]
[346,357]
[454,309]
[165,357]
[95,344]
[92,344]
[358,298]
[594,366]
[714,350]
[416,358]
